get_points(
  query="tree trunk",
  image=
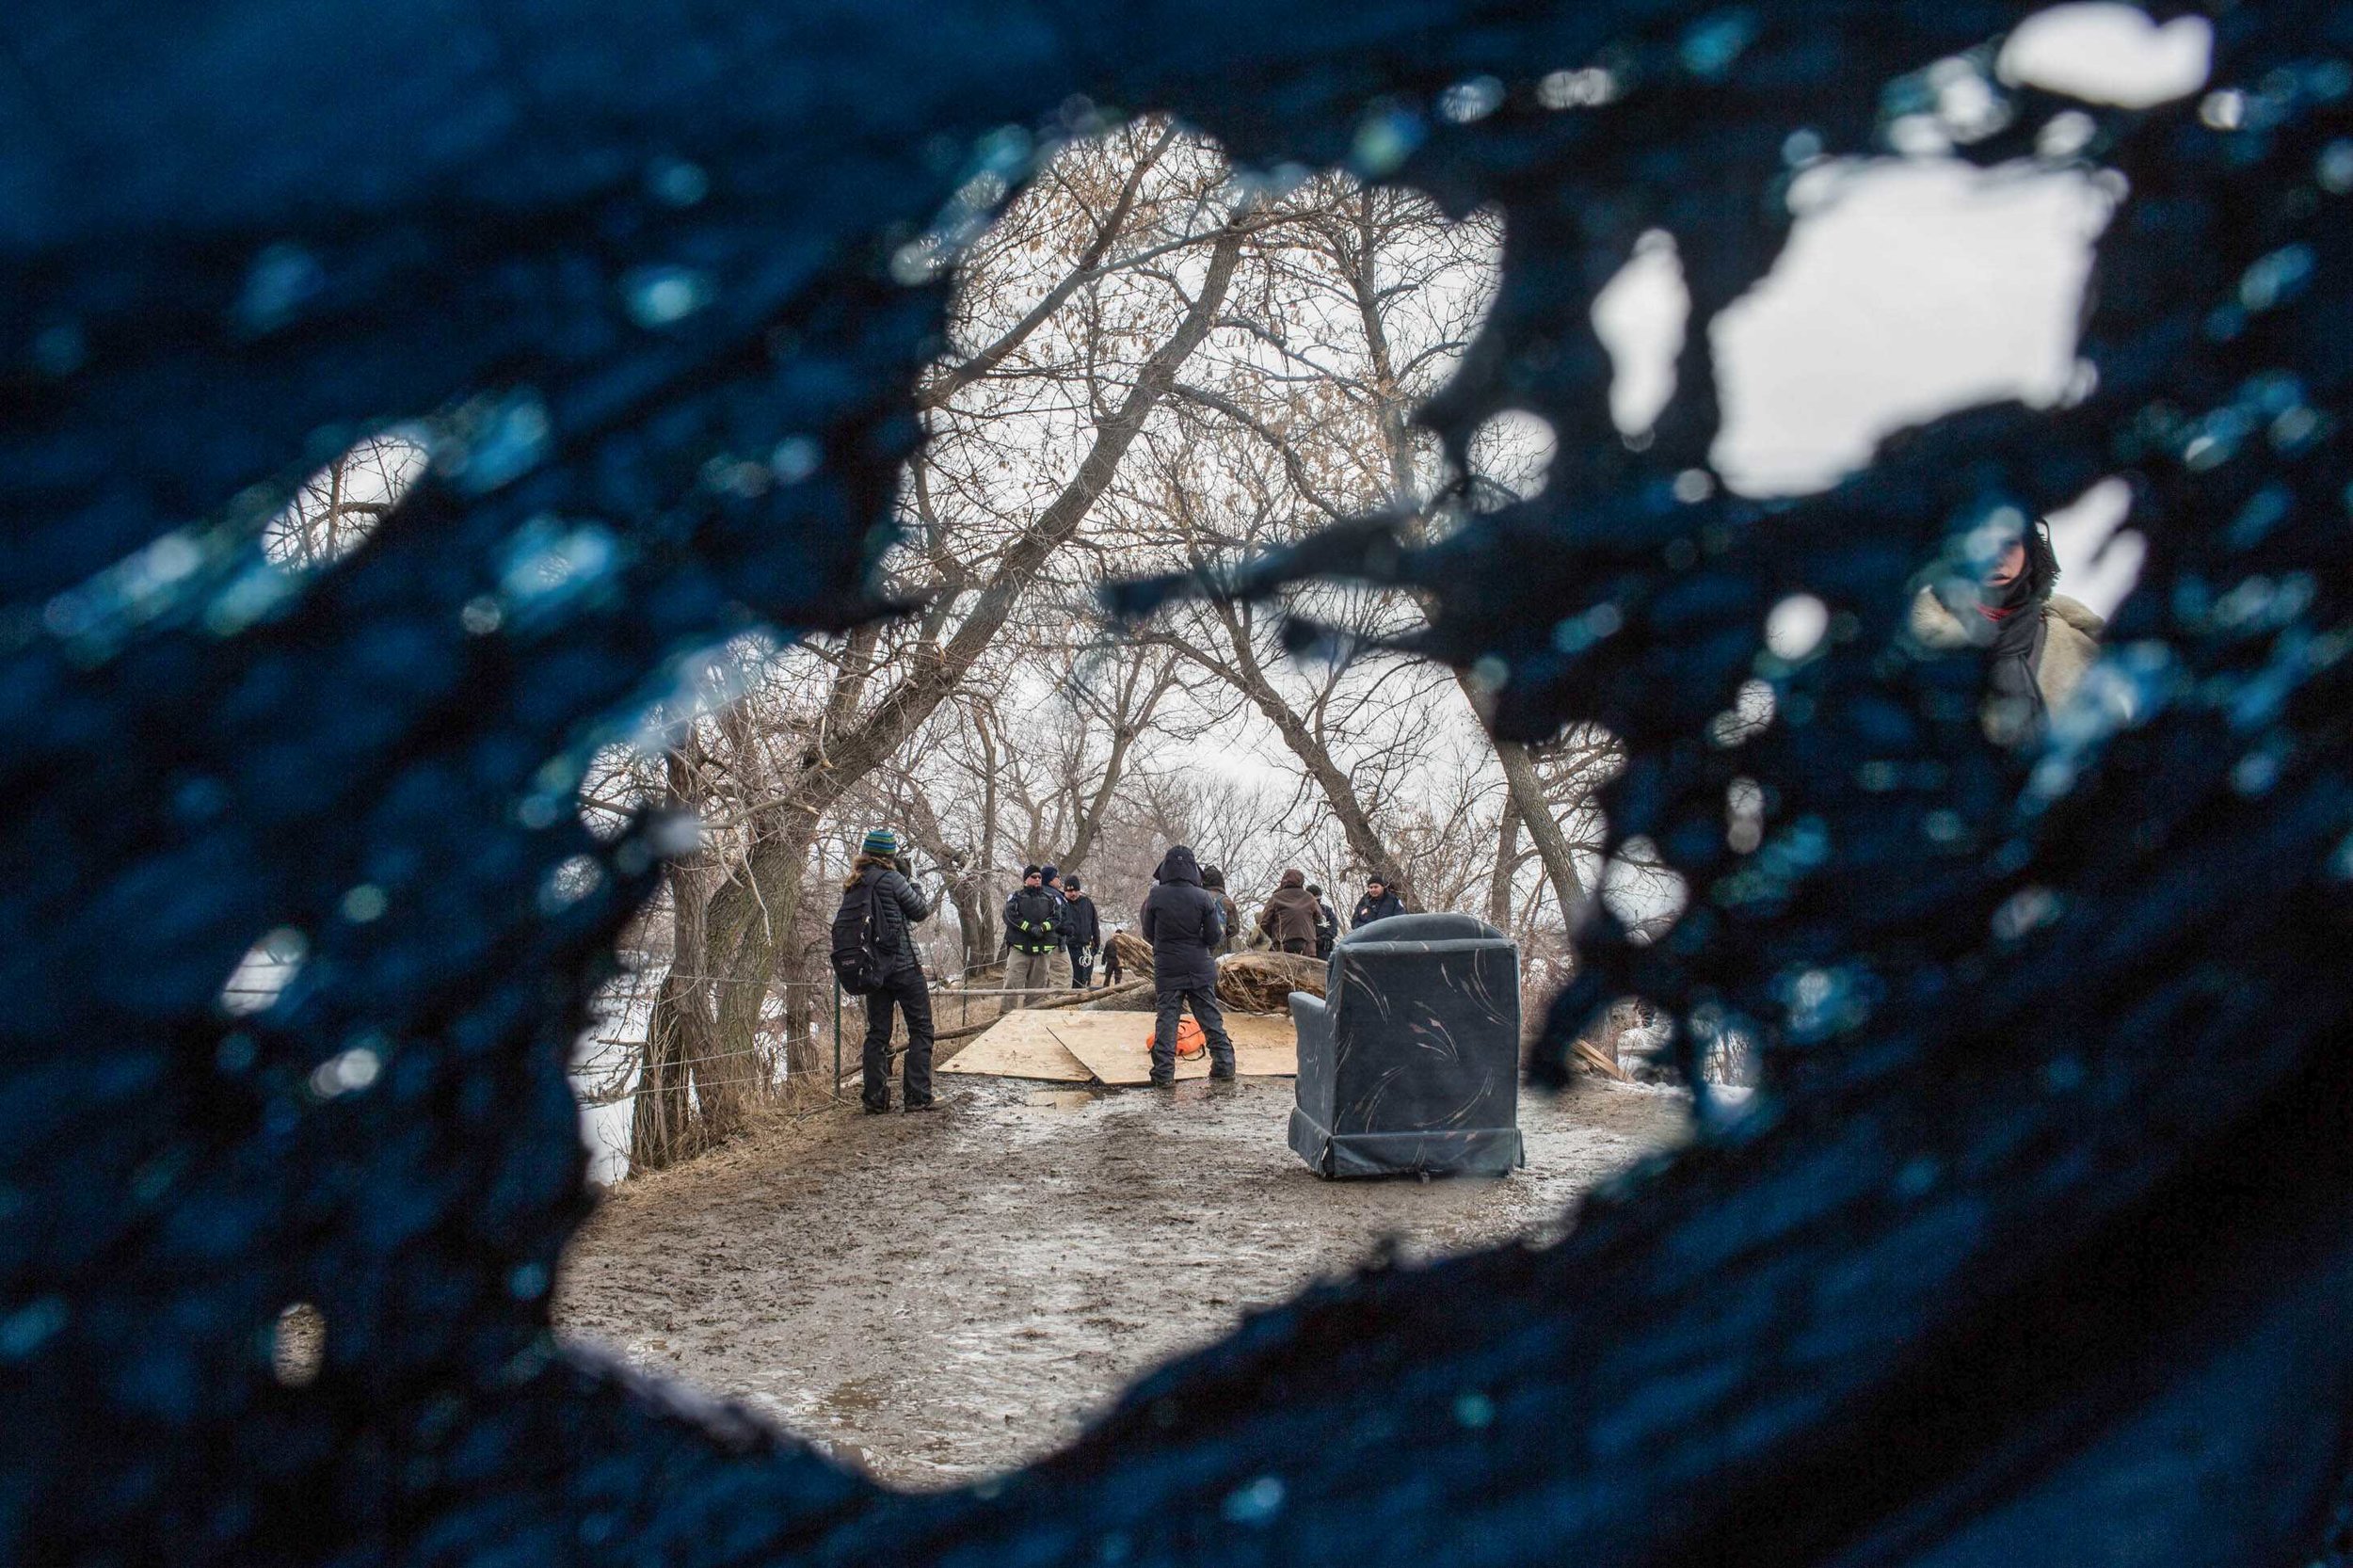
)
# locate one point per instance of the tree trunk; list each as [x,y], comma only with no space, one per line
[1099,805]
[804,1053]
[1250,678]
[967,882]
[663,1127]
[981,938]
[751,919]
[1544,828]
[1507,862]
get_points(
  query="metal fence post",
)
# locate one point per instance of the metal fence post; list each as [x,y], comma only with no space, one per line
[837,1036]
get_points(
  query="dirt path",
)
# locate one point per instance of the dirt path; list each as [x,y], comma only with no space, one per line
[939,1297]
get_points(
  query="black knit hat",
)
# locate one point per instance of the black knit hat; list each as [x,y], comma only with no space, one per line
[1029,872]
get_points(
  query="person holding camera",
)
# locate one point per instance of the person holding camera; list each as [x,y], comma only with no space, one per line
[893,909]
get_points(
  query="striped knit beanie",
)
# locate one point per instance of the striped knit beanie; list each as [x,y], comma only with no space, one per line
[880,841]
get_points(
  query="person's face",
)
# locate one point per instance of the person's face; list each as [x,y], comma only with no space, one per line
[1030,880]
[2007,565]
[1376,888]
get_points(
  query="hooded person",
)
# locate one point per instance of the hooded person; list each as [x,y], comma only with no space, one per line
[897,907]
[1182,922]
[1213,882]
[1083,932]
[1290,916]
[1062,967]
[2037,644]
[1379,903]
[1327,923]
[1034,916]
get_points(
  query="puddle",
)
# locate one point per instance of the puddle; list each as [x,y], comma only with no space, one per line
[1062,1099]
[858,1397]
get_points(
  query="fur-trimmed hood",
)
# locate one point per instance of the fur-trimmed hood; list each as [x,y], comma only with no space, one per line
[2070,639]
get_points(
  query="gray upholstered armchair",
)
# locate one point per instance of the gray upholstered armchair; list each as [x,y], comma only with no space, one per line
[1412,1063]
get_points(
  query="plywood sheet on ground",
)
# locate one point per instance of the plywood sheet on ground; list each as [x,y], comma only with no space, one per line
[1019,1046]
[1064,1046]
[1264,1046]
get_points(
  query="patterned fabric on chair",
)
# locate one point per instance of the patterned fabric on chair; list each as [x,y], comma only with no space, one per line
[1412,1065]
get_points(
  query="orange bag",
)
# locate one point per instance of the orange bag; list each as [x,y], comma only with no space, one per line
[1191,1041]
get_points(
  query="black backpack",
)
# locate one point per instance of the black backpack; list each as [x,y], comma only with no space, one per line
[858,959]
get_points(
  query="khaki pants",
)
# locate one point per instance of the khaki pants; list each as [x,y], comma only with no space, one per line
[1030,970]
[1062,971]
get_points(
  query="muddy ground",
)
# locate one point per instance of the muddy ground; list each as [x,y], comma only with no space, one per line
[939,1297]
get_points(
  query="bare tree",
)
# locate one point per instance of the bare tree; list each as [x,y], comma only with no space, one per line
[1115,689]
[1381,301]
[339,506]
[1086,388]
[1145,374]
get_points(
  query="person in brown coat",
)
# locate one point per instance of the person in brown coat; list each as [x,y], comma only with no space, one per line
[2039,644]
[1290,917]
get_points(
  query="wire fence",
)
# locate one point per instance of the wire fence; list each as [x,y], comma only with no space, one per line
[794,1021]
[682,1088]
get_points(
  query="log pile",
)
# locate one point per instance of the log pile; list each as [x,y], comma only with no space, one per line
[1135,954]
[1246,982]
[1263,981]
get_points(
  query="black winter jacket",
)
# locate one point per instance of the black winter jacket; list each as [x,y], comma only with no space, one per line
[1370,909]
[1183,925]
[897,907]
[1033,920]
[1081,927]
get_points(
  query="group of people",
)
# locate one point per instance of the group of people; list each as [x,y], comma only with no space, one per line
[1296,919]
[1054,935]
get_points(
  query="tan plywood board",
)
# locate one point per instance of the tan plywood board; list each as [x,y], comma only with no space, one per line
[1063,1046]
[1017,1046]
[1264,1046]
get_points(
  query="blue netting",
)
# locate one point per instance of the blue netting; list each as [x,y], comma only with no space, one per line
[2035,1255]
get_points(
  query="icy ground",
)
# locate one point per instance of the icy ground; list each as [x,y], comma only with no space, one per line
[939,1297]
